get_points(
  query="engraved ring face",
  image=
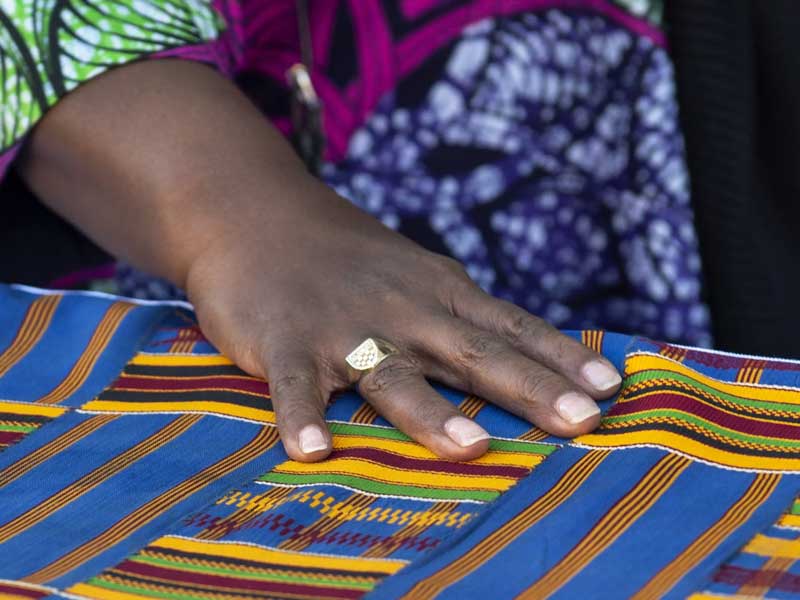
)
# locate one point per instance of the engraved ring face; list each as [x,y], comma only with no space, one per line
[369,354]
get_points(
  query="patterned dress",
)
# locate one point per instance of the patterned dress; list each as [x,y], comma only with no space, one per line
[536,141]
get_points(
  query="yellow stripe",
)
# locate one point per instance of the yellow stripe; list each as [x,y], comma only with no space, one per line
[97,344]
[378,472]
[218,408]
[278,557]
[789,521]
[40,455]
[769,546]
[20,408]
[414,450]
[637,363]
[685,445]
[651,387]
[94,478]
[760,415]
[266,438]
[92,591]
[759,490]
[493,544]
[611,526]
[180,360]
[34,324]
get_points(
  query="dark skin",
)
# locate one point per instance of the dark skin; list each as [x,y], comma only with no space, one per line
[168,165]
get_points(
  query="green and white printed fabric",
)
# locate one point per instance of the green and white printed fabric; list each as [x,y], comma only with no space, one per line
[49,47]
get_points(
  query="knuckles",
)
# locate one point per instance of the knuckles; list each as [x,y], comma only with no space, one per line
[286,385]
[387,376]
[475,350]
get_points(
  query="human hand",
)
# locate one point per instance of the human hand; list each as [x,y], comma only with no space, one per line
[290,297]
[167,164]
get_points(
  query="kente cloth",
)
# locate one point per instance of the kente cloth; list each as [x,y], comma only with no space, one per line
[535,141]
[139,463]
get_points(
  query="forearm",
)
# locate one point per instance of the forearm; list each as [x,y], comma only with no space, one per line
[160,160]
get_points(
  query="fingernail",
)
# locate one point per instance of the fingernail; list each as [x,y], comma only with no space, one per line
[600,375]
[464,432]
[576,408]
[311,439]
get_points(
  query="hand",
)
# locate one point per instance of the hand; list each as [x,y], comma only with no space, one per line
[167,164]
[289,298]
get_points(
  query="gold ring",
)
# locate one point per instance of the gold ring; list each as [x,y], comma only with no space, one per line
[369,354]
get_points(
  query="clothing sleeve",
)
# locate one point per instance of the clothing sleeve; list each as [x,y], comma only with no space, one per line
[50,47]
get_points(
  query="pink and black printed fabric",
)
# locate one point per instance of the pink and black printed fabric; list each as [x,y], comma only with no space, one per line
[536,141]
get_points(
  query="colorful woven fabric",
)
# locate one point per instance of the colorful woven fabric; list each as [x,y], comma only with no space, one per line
[140,463]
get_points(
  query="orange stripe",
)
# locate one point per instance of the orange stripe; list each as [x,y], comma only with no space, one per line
[490,546]
[611,526]
[97,344]
[471,406]
[365,415]
[65,440]
[96,477]
[757,492]
[266,438]
[35,322]
[534,435]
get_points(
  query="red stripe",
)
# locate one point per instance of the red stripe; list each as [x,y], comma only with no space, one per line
[439,466]
[221,581]
[773,579]
[9,437]
[248,385]
[21,591]
[714,415]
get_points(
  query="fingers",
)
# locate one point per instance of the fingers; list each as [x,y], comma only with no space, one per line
[299,403]
[487,365]
[396,388]
[398,391]
[542,342]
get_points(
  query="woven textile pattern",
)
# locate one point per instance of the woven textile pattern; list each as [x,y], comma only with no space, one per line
[140,463]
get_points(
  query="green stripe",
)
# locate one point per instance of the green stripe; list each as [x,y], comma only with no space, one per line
[318,576]
[368,430]
[649,374]
[522,446]
[377,487]
[796,508]
[394,434]
[686,417]
[22,428]
[139,590]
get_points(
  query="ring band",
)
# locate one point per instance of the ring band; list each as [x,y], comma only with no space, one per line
[369,354]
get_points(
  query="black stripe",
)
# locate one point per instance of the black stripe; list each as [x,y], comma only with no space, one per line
[161,371]
[693,435]
[228,397]
[713,400]
[6,416]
